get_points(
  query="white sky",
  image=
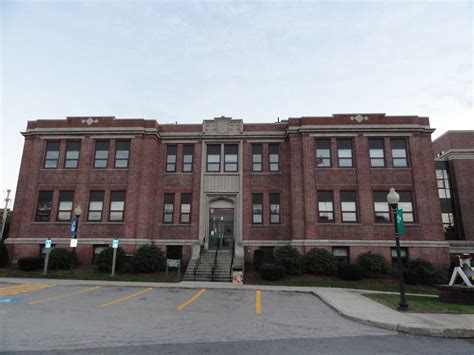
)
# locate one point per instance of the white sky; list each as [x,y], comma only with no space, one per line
[189,61]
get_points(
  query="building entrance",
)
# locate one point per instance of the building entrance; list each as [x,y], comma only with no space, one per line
[221,228]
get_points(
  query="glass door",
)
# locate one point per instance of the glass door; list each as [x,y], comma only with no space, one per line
[221,228]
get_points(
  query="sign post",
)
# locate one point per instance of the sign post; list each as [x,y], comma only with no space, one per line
[47,246]
[115,244]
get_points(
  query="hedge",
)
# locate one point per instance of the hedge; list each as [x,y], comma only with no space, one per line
[272,272]
[320,262]
[290,258]
[149,258]
[30,263]
[103,261]
[59,258]
[372,265]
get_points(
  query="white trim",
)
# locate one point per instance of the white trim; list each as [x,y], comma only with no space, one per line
[106,240]
[353,243]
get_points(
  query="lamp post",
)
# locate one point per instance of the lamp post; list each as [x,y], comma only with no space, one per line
[393,198]
[77,212]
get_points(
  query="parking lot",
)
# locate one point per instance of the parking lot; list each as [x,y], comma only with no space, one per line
[45,316]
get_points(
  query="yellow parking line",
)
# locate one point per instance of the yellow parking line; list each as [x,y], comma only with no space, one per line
[191,300]
[258,305]
[64,295]
[125,298]
[17,289]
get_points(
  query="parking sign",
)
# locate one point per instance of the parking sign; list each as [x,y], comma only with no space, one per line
[47,243]
[115,243]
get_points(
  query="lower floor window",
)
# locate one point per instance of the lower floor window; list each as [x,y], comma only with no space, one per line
[97,249]
[403,255]
[43,249]
[174,252]
[341,254]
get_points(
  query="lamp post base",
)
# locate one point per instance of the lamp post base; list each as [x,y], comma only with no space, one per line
[402,307]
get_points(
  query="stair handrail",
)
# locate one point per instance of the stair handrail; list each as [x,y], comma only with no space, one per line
[232,259]
[214,267]
[198,261]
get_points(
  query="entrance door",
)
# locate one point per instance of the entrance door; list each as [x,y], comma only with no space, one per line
[221,228]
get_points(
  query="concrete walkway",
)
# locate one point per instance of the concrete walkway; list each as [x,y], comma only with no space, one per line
[348,303]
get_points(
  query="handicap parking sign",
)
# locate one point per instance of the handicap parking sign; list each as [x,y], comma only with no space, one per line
[115,243]
[47,243]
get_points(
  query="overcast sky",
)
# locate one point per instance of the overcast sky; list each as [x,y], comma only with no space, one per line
[190,61]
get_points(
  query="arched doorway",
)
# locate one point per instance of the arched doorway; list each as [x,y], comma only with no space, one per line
[221,224]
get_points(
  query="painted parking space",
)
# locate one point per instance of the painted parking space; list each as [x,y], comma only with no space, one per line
[64,295]
[22,288]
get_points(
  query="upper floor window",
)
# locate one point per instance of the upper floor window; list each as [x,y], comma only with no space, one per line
[52,155]
[96,205]
[188,152]
[231,157]
[65,205]
[444,187]
[381,208]
[406,204]
[43,208]
[185,208]
[274,208]
[323,153]
[122,153]
[326,206]
[101,156]
[348,206]
[168,208]
[377,153]
[117,206]
[257,208]
[274,157]
[399,153]
[344,153]
[72,154]
[213,157]
[171,152]
[257,157]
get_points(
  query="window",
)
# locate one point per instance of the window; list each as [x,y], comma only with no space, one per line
[43,208]
[174,252]
[444,186]
[213,157]
[171,151]
[101,154]
[52,155]
[65,205]
[403,255]
[267,254]
[344,153]
[323,153]
[72,154]
[399,153]
[274,157]
[188,152]
[381,207]
[274,208]
[376,153]
[348,206]
[168,208]
[122,153]
[257,208]
[446,200]
[325,206]
[406,205]
[96,205]
[341,254]
[257,157]
[117,206]
[97,249]
[231,157]
[186,200]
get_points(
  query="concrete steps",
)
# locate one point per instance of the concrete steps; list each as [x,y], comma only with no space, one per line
[222,273]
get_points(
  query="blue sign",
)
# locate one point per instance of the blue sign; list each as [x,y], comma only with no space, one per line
[9,299]
[47,243]
[400,225]
[115,243]
[73,226]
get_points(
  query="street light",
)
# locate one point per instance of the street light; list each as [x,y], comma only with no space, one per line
[77,212]
[393,198]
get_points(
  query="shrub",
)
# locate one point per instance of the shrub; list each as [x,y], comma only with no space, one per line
[410,277]
[30,263]
[290,258]
[103,261]
[426,273]
[4,259]
[126,268]
[320,262]
[257,259]
[350,272]
[148,258]
[372,265]
[272,272]
[59,258]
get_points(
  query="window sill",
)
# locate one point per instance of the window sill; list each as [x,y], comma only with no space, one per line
[53,222]
[266,225]
[175,224]
[108,169]
[100,222]
[266,172]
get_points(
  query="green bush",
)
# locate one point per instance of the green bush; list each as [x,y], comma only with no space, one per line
[4,258]
[30,263]
[272,272]
[426,273]
[350,272]
[372,265]
[320,262]
[410,277]
[59,258]
[103,262]
[290,258]
[148,258]
[127,267]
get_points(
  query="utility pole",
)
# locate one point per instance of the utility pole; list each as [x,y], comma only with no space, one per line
[5,212]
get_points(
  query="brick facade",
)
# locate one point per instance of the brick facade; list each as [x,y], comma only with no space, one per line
[297,183]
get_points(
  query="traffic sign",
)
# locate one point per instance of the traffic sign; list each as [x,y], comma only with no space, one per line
[47,243]
[115,243]
[400,225]
[73,243]
[73,229]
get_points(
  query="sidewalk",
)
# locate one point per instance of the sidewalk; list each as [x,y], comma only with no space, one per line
[349,303]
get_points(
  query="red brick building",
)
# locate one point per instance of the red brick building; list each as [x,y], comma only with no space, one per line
[454,151]
[309,182]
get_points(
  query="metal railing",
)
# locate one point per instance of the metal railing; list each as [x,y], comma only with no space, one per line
[198,261]
[214,267]
[232,259]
